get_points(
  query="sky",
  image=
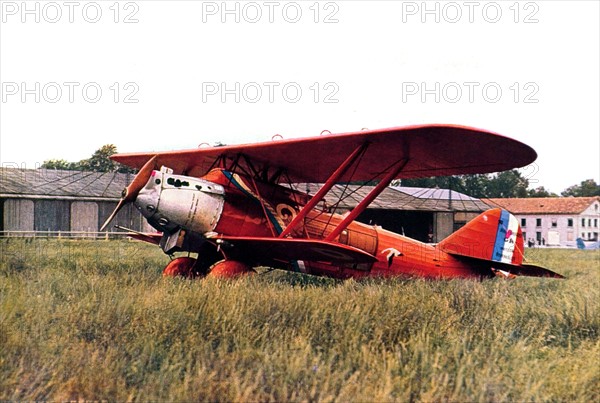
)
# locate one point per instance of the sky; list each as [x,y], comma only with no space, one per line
[157,75]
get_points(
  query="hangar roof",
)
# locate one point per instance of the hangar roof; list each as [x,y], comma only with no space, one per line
[545,205]
[400,198]
[59,184]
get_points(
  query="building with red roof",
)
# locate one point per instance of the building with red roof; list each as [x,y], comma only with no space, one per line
[555,221]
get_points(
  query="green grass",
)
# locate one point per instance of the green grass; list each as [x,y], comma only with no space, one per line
[95,320]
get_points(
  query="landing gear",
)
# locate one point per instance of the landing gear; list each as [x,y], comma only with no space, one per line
[230,269]
[190,267]
[181,266]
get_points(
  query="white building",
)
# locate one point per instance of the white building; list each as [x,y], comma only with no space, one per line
[555,221]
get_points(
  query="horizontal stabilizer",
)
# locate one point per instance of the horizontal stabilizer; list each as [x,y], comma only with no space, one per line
[535,271]
[265,250]
[528,270]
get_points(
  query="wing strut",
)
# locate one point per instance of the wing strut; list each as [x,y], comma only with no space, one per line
[331,181]
[367,200]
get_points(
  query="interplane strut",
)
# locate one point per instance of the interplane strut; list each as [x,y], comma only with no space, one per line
[331,181]
[367,200]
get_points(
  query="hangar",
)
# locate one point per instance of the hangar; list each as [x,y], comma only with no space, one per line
[56,202]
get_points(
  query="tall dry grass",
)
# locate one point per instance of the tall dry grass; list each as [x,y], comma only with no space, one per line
[95,320]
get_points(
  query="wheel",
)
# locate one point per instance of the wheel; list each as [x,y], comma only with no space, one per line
[229,269]
[181,266]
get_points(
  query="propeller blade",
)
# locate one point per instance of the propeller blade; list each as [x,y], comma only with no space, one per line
[122,202]
[131,191]
[139,181]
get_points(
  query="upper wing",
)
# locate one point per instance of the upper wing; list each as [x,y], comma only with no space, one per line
[431,150]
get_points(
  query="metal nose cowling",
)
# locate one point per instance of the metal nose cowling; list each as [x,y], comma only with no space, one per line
[170,202]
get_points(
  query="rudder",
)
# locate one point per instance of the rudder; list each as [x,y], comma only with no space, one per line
[494,235]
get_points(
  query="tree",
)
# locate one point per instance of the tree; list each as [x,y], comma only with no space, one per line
[99,162]
[433,182]
[540,191]
[507,184]
[586,188]
[503,184]
[60,164]
[475,185]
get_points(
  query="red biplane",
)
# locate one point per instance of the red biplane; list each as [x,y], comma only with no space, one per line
[235,207]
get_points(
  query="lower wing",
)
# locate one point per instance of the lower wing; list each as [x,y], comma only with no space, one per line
[265,250]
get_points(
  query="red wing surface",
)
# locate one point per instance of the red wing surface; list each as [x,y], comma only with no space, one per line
[431,150]
[288,249]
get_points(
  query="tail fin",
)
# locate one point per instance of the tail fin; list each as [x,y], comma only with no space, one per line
[494,237]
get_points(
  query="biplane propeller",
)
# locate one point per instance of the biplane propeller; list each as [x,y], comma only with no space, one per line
[237,207]
[131,192]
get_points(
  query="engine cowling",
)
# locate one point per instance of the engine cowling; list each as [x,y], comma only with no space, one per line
[171,202]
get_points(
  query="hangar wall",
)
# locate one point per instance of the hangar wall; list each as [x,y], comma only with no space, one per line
[17,215]
[50,202]
[52,217]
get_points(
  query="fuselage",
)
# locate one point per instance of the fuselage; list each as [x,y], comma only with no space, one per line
[225,203]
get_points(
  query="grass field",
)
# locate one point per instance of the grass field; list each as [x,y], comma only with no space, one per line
[95,320]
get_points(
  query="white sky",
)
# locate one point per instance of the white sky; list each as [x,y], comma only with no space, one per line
[376,59]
